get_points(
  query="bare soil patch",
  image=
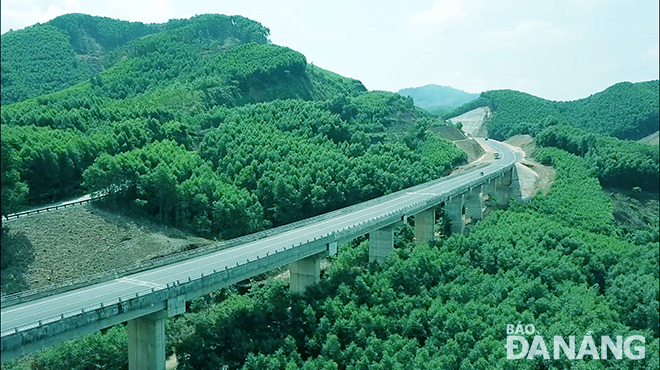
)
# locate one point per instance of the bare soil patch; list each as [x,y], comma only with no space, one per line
[470,146]
[652,139]
[78,241]
[473,121]
[534,177]
[450,133]
[524,142]
[634,211]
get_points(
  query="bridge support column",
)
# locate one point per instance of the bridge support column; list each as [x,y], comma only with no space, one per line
[146,342]
[146,337]
[454,212]
[425,226]
[304,273]
[514,187]
[502,189]
[507,186]
[490,188]
[474,204]
[381,243]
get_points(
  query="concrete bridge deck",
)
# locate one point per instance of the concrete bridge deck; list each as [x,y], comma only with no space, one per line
[163,291]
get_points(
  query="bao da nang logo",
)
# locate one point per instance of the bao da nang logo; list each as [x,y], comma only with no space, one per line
[605,347]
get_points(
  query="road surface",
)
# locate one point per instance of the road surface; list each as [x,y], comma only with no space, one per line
[33,311]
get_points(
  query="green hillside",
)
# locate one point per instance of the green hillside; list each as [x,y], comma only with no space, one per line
[625,110]
[438,99]
[60,53]
[36,61]
[205,124]
[617,163]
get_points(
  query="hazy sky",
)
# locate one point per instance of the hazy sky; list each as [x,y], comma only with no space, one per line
[556,49]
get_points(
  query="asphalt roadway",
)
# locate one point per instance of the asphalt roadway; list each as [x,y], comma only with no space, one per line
[40,309]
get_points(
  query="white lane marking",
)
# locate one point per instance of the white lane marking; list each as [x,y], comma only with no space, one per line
[139,282]
[56,297]
[268,241]
[61,308]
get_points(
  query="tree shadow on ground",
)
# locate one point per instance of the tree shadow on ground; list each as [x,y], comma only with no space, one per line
[17,255]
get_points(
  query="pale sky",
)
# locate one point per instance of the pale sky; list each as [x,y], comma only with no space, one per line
[555,49]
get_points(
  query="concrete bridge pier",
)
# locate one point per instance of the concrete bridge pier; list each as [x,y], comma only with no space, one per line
[474,203]
[146,337]
[514,187]
[502,189]
[508,186]
[146,342]
[425,226]
[454,212]
[490,188]
[304,273]
[381,243]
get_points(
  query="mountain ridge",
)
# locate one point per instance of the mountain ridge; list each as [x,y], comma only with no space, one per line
[87,45]
[438,99]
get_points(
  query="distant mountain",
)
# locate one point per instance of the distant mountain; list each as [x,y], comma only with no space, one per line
[625,110]
[438,99]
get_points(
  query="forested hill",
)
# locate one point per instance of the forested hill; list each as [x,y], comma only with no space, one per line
[205,125]
[69,49]
[52,56]
[438,99]
[194,64]
[625,111]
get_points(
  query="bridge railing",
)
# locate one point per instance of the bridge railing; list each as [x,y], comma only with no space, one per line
[128,300]
[347,232]
[326,238]
[32,294]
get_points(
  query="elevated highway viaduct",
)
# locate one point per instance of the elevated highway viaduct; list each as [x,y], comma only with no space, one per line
[146,298]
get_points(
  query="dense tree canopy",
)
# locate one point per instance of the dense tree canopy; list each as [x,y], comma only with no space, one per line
[72,48]
[156,87]
[295,157]
[37,61]
[617,163]
[553,263]
[205,125]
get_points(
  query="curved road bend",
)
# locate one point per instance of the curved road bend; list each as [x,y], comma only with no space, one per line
[33,311]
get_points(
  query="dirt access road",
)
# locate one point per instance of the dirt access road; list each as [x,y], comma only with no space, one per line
[533,176]
[473,121]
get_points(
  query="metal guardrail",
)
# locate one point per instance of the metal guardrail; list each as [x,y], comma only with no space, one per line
[127,297]
[342,233]
[52,208]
